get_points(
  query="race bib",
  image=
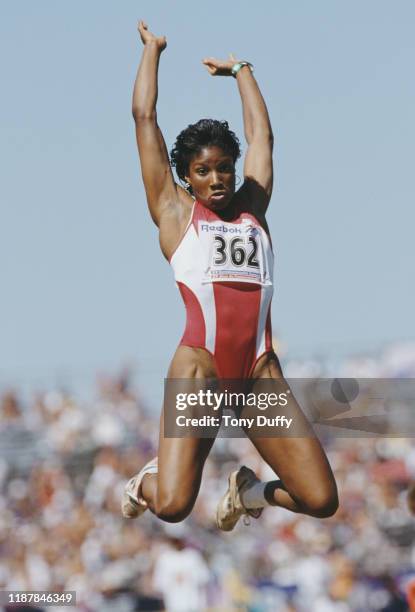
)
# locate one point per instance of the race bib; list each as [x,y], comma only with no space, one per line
[236,252]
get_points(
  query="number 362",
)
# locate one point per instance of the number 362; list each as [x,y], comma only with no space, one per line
[236,249]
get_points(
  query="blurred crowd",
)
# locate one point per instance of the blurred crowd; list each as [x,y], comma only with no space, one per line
[64,462]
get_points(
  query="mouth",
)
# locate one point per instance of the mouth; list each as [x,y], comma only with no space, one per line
[218,197]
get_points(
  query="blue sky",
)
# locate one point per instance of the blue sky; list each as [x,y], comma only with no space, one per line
[84,285]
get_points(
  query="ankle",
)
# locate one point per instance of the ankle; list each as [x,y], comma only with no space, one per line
[269,491]
[148,487]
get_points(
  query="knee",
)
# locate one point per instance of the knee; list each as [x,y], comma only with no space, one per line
[322,503]
[171,509]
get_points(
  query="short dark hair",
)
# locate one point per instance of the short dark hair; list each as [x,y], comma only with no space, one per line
[204,133]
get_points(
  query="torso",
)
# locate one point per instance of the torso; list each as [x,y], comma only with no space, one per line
[224,271]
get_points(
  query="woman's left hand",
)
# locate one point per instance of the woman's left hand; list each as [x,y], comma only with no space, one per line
[218,67]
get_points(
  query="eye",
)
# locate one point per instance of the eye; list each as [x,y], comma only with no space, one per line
[201,171]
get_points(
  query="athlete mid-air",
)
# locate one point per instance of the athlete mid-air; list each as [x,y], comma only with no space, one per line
[217,242]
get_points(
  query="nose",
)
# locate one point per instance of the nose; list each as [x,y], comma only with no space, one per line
[216,179]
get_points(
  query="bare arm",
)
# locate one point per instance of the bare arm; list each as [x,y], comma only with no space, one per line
[159,183]
[258,169]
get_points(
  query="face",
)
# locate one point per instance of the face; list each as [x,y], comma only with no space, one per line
[212,177]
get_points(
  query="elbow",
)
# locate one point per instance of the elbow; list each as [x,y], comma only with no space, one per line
[266,134]
[140,115]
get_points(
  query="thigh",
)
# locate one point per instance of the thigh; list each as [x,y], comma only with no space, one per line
[300,462]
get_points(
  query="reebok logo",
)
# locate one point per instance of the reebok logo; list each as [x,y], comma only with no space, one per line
[220,228]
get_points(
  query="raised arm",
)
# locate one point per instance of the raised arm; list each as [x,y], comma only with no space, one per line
[258,169]
[155,166]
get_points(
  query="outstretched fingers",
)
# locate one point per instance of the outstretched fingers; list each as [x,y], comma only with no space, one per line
[219,67]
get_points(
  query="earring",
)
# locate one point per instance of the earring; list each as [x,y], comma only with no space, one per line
[184,184]
[237,179]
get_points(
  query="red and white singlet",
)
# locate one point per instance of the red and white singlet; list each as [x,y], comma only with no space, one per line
[224,271]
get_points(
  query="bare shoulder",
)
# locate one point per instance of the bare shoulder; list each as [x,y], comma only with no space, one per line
[259,197]
[248,199]
[174,220]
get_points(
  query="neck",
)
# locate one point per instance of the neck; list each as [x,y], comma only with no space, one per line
[226,214]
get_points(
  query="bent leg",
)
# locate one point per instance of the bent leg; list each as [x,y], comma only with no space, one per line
[306,482]
[172,492]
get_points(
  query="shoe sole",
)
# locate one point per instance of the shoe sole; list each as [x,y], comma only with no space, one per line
[231,486]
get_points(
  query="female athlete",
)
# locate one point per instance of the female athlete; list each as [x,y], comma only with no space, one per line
[217,241]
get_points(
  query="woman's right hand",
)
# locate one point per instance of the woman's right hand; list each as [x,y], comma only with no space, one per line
[148,38]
